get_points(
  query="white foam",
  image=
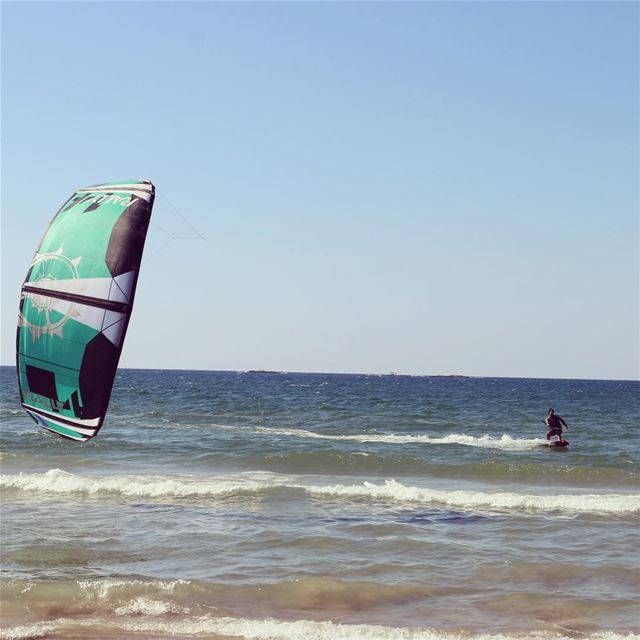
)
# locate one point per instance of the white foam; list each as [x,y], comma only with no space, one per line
[272,629]
[103,589]
[57,481]
[28,631]
[145,606]
[473,500]
[504,443]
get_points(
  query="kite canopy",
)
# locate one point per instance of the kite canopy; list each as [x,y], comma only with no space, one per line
[75,306]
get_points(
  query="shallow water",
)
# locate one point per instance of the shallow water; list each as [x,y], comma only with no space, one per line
[325,506]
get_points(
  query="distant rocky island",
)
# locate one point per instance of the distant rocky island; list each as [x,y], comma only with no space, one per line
[262,371]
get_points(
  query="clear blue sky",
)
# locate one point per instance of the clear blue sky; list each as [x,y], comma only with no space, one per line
[426,188]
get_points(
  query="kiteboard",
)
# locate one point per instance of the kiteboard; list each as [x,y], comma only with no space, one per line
[558,444]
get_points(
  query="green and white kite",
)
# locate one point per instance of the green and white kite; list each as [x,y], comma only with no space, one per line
[75,306]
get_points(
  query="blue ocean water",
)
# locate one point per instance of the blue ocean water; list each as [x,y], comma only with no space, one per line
[288,505]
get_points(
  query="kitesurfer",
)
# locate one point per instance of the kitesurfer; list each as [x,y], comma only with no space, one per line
[555,422]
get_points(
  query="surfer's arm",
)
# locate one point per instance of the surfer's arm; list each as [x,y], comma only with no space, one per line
[565,424]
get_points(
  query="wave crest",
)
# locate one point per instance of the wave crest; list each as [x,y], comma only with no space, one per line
[56,481]
[273,629]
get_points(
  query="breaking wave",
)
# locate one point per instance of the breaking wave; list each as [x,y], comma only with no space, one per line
[272,629]
[56,481]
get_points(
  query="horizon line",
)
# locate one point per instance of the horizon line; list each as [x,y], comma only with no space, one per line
[394,374]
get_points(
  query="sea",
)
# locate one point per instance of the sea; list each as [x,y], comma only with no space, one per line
[297,506]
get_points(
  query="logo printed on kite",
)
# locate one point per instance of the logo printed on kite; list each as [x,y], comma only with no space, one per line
[50,267]
[123,201]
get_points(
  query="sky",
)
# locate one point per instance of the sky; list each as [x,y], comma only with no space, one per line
[425,188]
